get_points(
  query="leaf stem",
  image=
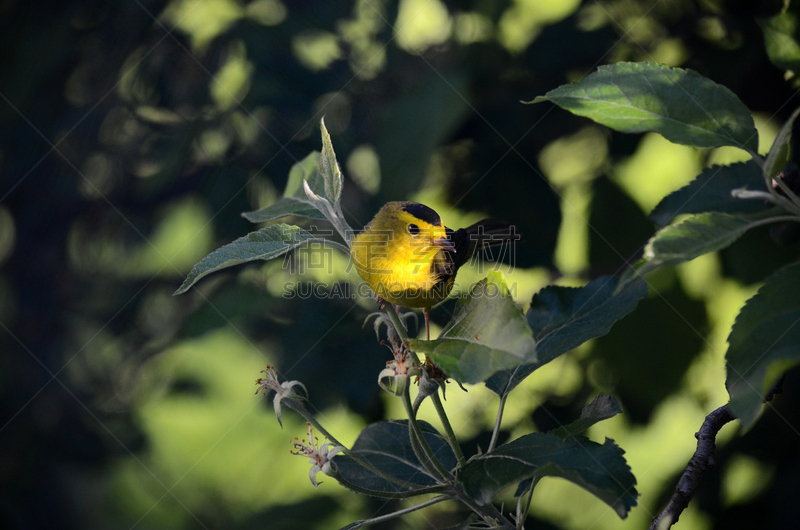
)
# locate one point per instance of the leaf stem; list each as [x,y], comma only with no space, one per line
[448,429]
[427,458]
[776,219]
[523,514]
[418,443]
[399,513]
[437,402]
[487,512]
[793,200]
[401,329]
[497,422]
[758,159]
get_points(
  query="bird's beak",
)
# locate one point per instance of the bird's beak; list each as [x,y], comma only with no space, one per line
[444,243]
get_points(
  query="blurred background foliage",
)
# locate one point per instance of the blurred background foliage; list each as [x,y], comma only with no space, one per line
[136,132]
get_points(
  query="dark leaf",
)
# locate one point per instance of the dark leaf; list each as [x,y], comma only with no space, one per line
[601,408]
[779,152]
[563,318]
[600,469]
[764,342]
[711,192]
[386,446]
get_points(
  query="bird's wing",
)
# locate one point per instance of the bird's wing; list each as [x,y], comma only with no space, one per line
[467,241]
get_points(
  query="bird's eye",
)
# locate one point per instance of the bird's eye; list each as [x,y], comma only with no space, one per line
[413,229]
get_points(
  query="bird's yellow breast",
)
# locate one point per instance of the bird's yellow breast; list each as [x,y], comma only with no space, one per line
[398,267]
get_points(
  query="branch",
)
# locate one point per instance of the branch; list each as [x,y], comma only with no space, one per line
[702,460]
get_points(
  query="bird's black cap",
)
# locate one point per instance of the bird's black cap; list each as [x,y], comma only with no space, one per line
[420,211]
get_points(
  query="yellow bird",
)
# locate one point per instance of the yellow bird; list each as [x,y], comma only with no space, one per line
[410,259]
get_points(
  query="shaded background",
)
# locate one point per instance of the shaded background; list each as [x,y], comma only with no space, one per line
[134,133]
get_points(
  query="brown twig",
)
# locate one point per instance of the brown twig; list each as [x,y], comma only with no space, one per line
[702,459]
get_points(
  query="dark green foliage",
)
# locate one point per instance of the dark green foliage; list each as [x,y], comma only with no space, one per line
[764,343]
[644,360]
[600,469]
[611,250]
[107,111]
[711,192]
[386,446]
[563,318]
[755,255]
[601,408]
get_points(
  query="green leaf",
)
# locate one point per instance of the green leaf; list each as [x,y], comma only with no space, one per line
[697,235]
[386,446]
[283,207]
[779,152]
[563,318]
[711,192]
[780,39]
[682,105]
[264,244]
[294,200]
[487,333]
[305,170]
[601,408]
[599,469]
[329,168]
[764,342]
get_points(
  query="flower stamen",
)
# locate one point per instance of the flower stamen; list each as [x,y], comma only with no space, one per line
[319,454]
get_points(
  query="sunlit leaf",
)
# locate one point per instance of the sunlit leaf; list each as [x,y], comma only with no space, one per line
[682,105]
[264,244]
[305,170]
[711,192]
[779,152]
[781,41]
[697,235]
[283,207]
[294,200]
[563,318]
[600,469]
[487,333]
[329,168]
[764,342]
[387,446]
